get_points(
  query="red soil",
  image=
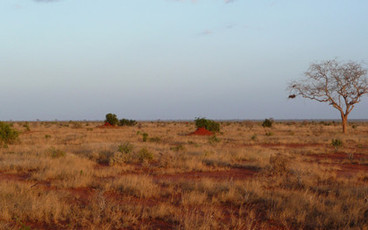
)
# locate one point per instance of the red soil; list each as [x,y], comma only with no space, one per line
[339,156]
[238,174]
[202,132]
[106,125]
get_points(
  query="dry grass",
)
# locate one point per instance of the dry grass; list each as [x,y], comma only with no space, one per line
[73,175]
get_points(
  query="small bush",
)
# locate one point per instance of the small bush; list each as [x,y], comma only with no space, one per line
[8,135]
[336,143]
[210,125]
[126,122]
[267,123]
[104,157]
[213,140]
[125,148]
[144,137]
[112,119]
[254,137]
[144,154]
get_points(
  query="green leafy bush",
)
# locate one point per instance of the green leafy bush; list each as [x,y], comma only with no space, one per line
[112,119]
[8,135]
[336,143]
[267,123]
[126,122]
[210,125]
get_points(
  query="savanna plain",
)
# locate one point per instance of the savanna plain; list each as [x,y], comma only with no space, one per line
[83,175]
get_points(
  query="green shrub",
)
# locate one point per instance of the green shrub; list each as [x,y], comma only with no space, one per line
[126,122]
[336,143]
[267,123]
[8,135]
[210,125]
[112,119]
[144,154]
[144,137]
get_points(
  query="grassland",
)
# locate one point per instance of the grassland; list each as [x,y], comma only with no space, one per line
[75,175]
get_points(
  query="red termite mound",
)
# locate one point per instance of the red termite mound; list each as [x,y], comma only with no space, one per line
[106,125]
[202,132]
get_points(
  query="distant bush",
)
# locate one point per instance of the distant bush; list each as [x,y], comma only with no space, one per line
[8,135]
[126,122]
[267,123]
[210,125]
[112,119]
[144,137]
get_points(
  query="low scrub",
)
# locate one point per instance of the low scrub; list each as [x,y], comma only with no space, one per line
[126,122]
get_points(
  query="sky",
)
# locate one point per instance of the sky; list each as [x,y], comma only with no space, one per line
[172,59]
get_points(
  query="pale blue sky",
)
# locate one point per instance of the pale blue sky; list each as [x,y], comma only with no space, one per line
[171,59]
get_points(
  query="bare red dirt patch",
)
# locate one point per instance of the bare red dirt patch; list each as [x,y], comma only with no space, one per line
[202,132]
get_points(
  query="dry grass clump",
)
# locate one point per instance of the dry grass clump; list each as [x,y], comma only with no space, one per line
[22,203]
[132,185]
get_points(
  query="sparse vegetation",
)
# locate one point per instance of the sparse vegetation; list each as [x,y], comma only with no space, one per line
[110,179]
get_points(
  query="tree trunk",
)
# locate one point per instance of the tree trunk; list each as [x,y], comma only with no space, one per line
[344,119]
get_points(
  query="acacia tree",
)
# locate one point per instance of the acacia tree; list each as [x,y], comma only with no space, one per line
[342,85]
